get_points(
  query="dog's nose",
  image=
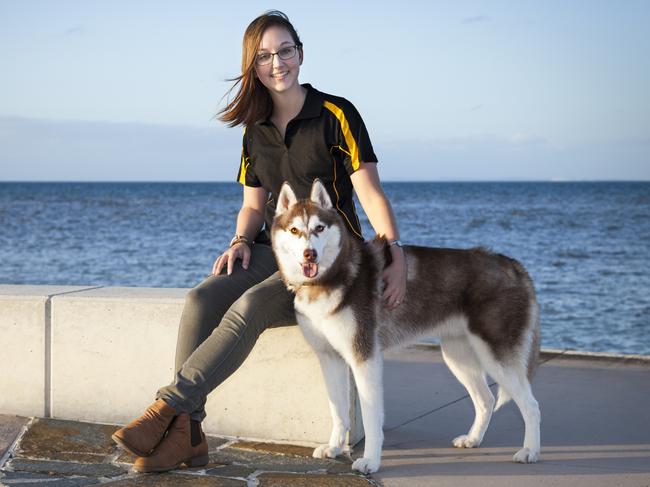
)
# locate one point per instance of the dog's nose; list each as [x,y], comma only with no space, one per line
[310,255]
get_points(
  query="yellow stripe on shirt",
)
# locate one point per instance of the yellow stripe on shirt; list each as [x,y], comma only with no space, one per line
[244,165]
[345,128]
[242,171]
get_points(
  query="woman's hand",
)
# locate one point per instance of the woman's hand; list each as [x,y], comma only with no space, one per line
[240,250]
[394,277]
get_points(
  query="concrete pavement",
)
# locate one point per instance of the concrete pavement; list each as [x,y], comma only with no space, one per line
[595,425]
[595,432]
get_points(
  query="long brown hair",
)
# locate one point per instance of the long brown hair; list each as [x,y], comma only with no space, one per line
[253,102]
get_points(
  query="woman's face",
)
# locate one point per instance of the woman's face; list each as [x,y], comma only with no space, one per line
[279,75]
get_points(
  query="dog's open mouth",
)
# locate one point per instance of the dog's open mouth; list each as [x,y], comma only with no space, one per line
[310,269]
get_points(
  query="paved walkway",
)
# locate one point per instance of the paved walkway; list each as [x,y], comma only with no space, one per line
[595,426]
[595,432]
[60,453]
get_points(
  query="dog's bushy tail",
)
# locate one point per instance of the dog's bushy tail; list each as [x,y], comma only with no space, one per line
[502,398]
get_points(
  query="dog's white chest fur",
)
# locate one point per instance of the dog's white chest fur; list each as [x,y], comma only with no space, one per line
[323,325]
[317,307]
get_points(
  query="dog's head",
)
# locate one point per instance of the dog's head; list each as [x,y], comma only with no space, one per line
[306,234]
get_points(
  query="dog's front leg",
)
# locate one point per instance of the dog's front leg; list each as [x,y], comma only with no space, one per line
[337,381]
[369,381]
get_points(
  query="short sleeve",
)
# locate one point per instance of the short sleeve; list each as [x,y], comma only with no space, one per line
[352,138]
[246,175]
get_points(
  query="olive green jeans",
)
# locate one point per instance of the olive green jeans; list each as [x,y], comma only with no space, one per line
[221,320]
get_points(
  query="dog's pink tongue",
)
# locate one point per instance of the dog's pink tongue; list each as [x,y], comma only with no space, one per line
[309,269]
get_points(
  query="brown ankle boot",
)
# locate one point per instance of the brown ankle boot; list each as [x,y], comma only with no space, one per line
[184,443]
[143,434]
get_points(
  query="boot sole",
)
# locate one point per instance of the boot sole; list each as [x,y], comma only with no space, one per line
[199,461]
[129,448]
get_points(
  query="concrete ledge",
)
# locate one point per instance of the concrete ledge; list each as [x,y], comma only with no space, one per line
[24,341]
[100,354]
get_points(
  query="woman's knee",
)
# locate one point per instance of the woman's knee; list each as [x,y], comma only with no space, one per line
[196,303]
[197,296]
[207,293]
[202,311]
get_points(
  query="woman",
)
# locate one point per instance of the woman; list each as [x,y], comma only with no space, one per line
[292,132]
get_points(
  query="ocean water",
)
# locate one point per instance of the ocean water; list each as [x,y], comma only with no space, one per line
[586,245]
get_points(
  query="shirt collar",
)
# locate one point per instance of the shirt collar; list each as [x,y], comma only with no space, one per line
[312,106]
[313,103]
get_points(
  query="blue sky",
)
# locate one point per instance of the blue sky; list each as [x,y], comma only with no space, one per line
[126,91]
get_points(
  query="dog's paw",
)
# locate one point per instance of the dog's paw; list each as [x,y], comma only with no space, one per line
[464,441]
[366,465]
[525,455]
[326,451]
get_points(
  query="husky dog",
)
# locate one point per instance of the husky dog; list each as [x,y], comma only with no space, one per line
[480,304]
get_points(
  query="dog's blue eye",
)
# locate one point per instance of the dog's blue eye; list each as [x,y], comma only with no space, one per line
[319,228]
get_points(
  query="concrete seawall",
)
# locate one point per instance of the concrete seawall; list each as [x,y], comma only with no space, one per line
[99,354]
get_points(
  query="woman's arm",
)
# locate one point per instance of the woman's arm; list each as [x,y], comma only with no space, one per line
[249,223]
[251,214]
[374,202]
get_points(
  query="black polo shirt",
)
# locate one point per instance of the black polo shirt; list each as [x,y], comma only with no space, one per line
[326,140]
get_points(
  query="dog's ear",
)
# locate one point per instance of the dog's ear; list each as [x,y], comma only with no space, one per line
[286,199]
[319,195]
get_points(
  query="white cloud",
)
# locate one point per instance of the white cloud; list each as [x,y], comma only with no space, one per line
[77,30]
[475,19]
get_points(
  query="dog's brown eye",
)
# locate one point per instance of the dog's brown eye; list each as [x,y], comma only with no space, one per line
[319,228]
[294,230]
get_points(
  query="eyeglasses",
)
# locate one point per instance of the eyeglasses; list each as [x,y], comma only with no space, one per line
[285,53]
